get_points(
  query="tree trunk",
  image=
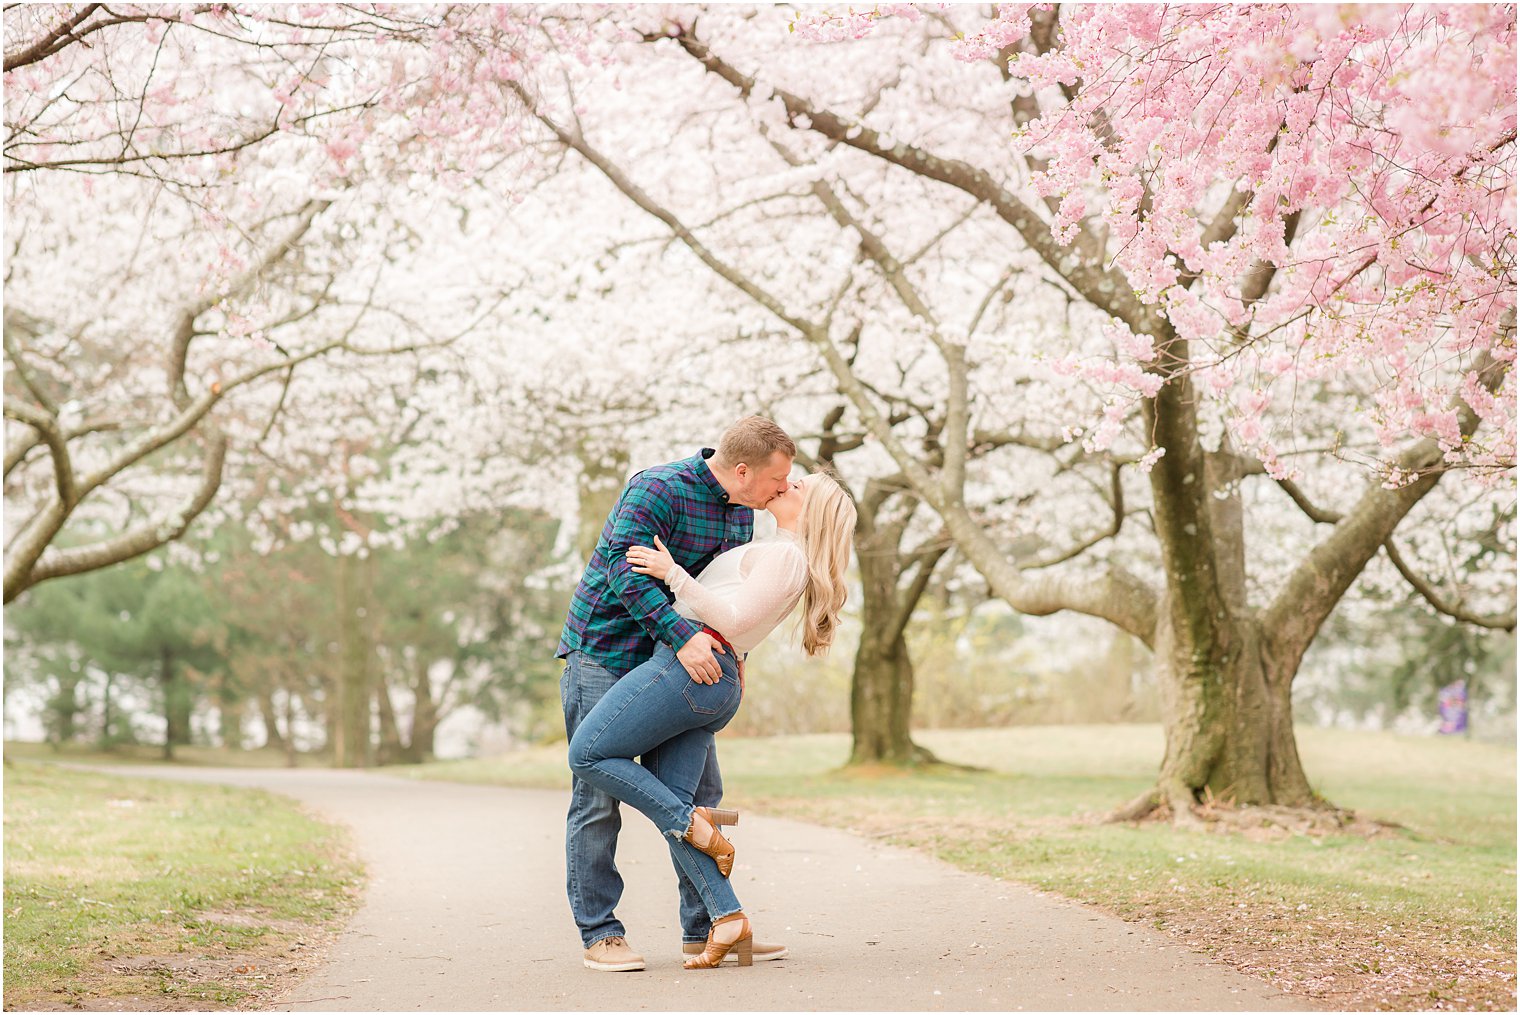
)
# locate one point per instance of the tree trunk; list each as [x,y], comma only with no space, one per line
[425,713]
[1229,727]
[881,689]
[603,474]
[264,701]
[351,718]
[106,739]
[290,730]
[63,709]
[390,750]
[230,710]
[1229,733]
[172,713]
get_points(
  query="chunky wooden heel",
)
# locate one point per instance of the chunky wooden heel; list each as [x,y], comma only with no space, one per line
[722,816]
[712,956]
[717,847]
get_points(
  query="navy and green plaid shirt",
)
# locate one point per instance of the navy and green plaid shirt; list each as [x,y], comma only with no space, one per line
[618,615]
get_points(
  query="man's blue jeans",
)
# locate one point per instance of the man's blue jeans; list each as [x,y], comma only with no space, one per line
[591,828]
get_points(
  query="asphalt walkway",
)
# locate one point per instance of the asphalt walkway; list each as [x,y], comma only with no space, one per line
[465,911]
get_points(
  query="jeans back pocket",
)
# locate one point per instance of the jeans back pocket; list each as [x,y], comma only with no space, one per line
[712,699]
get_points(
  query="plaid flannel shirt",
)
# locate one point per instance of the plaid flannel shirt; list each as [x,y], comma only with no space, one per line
[617,615]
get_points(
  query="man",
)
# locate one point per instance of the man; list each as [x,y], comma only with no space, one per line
[699,507]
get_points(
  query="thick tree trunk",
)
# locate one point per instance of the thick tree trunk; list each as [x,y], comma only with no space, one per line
[881,689]
[881,703]
[1229,733]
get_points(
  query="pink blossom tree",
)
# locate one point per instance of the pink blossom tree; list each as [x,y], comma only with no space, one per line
[1269,209]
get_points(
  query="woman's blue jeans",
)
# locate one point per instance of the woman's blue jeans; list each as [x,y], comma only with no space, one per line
[657,712]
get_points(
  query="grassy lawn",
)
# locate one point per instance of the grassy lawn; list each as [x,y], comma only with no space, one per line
[147,754]
[151,895]
[1420,917]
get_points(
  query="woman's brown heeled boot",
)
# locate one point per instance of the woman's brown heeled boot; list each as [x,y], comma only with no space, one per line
[712,956]
[717,847]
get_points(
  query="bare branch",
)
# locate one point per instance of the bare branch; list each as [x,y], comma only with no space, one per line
[135,542]
[16,323]
[1502,622]
[1081,264]
[47,428]
[1116,496]
[185,331]
[1300,498]
[50,42]
[644,201]
[927,559]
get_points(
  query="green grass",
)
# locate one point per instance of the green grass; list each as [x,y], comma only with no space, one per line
[145,754]
[188,895]
[1419,916]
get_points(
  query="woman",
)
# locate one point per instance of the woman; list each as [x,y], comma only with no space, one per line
[657,712]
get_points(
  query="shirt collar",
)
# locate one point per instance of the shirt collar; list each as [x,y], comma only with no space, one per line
[704,473]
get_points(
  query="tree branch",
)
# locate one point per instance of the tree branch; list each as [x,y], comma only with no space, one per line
[47,428]
[185,332]
[907,599]
[45,46]
[135,542]
[1117,503]
[1321,579]
[1502,622]
[643,200]
[1081,265]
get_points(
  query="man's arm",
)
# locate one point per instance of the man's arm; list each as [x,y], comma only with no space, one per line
[645,512]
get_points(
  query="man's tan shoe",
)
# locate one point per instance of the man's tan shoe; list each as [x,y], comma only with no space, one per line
[612,955]
[762,952]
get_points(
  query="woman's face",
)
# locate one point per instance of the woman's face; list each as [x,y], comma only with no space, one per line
[787,507]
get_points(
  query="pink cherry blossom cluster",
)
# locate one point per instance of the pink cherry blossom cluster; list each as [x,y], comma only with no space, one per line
[1361,157]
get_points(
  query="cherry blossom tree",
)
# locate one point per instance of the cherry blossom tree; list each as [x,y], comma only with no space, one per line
[755,218]
[1090,306]
[1257,209]
[235,180]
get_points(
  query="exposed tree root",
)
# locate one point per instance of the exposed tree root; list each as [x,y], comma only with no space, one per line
[1276,821]
[1180,799]
[1272,821]
[1140,807]
[918,759]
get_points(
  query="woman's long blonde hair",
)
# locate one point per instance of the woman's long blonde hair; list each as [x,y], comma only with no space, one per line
[827,526]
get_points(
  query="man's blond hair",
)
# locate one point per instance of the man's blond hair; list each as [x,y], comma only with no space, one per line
[752,441]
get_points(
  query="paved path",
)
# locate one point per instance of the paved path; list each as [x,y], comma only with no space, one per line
[466,911]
